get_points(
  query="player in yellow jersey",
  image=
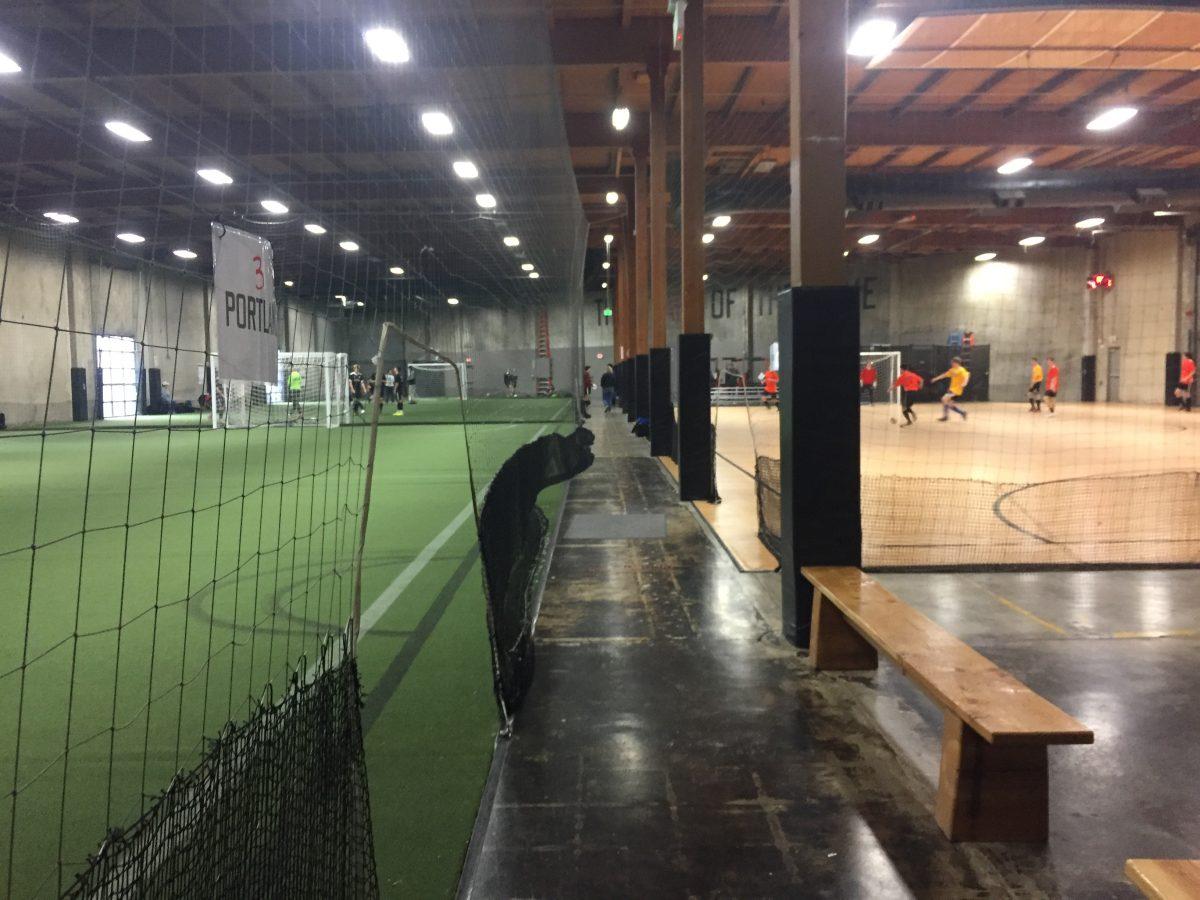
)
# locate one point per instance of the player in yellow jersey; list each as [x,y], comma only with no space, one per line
[1035,386]
[958,383]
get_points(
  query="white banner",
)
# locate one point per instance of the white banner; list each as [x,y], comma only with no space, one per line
[244,300]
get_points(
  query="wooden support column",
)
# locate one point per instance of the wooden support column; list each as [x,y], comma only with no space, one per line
[639,250]
[662,410]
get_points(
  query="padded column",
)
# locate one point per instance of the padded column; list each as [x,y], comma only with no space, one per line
[642,390]
[79,403]
[696,477]
[662,413]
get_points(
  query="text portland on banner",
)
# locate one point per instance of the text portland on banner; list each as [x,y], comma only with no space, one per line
[244,300]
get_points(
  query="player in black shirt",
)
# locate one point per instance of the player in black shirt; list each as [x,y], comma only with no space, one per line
[357,388]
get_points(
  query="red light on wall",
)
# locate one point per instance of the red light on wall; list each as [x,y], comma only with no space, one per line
[1100,281]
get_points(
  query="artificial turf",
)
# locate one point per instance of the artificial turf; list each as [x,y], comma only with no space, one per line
[211,561]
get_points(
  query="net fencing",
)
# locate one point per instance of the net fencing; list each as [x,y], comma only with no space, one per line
[310,387]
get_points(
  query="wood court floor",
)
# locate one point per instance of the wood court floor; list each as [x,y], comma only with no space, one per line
[1094,484]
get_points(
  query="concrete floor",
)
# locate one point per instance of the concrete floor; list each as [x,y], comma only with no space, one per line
[674,746]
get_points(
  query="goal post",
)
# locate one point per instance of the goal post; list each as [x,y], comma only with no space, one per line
[427,380]
[311,388]
[886,365]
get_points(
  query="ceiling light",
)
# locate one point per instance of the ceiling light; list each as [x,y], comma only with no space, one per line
[464,168]
[453,301]
[611,198]
[872,38]
[604,285]
[512,241]
[985,257]
[436,122]
[8,65]
[289,283]
[606,264]
[183,253]
[131,237]
[1015,165]
[1159,213]
[1112,118]
[721,221]
[707,238]
[341,297]
[526,267]
[359,303]
[313,228]
[1093,222]
[387,45]
[487,201]
[274,206]
[397,270]
[61,218]
[1031,241]
[620,117]
[534,275]
[127,131]
[705,278]
[845,253]
[214,176]
[348,246]
[868,239]
[608,239]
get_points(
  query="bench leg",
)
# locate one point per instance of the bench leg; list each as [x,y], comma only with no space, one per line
[833,643]
[990,793]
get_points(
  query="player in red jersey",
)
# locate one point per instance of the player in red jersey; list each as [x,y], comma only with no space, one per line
[1051,383]
[909,382]
[1187,375]
[866,383]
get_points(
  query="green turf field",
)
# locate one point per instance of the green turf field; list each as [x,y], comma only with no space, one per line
[211,560]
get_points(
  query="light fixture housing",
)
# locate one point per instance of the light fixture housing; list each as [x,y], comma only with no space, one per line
[707,238]
[620,117]
[184,253]
[387,45]
[526,267]
[867,239]
[61,218]
[1112,118]
[1161,213]
[872,38]
[314,228]
[721,221]
[130,237]
[397,270]
[8,65]
[485,201]
[1032,241]
[274,207]
[127,131]
[1015,165]
[453,301]
[349,246]
[215,176]
[359,303]
[464,168]
[611,198]
[704,277]
[437,122]
[1091,222]
[985,257]
[511,240]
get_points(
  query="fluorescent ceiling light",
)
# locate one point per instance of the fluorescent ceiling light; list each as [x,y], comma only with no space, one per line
[437,122]
[872,38]
[387,45]
[487,201]
[721,221]
[126,131]
[705,278]
[868,239]
[1167,212]
[606,264]
[130,237]
[526,267]
[464,168]
[985,257]
[8,65]
[608,239]
[289,283]
[61,218]
[1112,118]
[1015,165]
[274,206]
[314,228]
[1093,222]
[183,253]
[620,117]
[611,198]
[707,238]
[214,176]
[512,241]
[1032,240]
[453,301]
[349,246]
[534,275]
[359,303]
[397,270]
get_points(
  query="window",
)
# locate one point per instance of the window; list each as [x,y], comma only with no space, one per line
[117,359]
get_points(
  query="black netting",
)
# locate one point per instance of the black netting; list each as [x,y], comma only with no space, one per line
[769,494]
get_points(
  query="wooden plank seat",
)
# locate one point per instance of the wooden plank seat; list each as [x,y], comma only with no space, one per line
[994,780]
[1165,879]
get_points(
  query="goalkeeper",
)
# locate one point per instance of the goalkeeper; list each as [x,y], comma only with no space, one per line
[295,384]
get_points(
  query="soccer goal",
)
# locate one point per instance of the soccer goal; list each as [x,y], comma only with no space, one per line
[311,388]
[428,380]
[881,395]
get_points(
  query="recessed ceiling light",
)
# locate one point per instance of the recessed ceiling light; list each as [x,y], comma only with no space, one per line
[512,241]
[1167,212]
[707,238]
[348,246]
[868,239]
[274,206]
[1112,118]
[214,176]
[606,264]
[534,275]
[526,267]
[845,253]
[387,45]
[61,218]
[1015,165]
[872,38]
[8,65]
[985,257]
[1031,241]
[487,201]
[608,239]
[611,198]
[359,303]
[314,228]
[130,237]
[705,277]
[604,285]
[464,168]
[721,221]
[453,301]
[126,131]
[289,283]
[620,117]
[437,122]
[1093,222]
[397,270]
[184,253]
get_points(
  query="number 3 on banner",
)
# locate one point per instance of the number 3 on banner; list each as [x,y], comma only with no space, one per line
[259,279]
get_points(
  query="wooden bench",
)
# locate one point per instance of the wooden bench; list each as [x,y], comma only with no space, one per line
[1165,879]
[994,780]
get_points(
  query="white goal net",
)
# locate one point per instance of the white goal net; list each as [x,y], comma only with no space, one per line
[878,393]
[428,380]
[310,389]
